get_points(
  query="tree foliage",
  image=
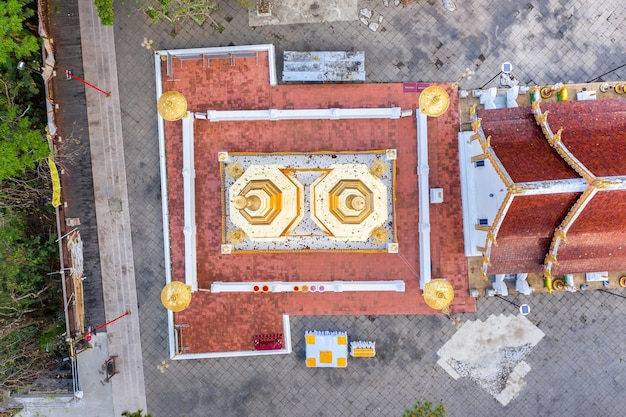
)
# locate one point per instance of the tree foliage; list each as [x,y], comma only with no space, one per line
[138,413]
[29,299]
[24,261]
[16,41]
[22,135]
[175,11]
[425,409]
[105,11]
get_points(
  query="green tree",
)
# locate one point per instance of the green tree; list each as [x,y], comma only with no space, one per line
[25,258]
[28,299]
[16,41]
[22,135]
[138,413]
[105,11]
[425,409]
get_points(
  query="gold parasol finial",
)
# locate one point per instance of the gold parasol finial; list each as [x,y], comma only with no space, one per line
[172,106]
[176,296]
[434,101]
[438,294]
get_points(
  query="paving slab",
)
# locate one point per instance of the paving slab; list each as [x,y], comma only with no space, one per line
[97,399]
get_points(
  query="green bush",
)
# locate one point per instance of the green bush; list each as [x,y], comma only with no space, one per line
[425,409]
[105,11]
[138,413]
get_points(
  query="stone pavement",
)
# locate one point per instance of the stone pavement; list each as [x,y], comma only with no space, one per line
[577,369]
[97,398]
[112,214]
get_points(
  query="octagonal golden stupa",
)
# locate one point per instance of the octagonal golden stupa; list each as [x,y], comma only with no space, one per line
[348,202]
[266,203]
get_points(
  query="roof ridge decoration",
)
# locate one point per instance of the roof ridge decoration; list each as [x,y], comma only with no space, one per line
[554,140]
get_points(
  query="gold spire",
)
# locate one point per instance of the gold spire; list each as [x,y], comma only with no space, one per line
[556,138]
[541,118]
[476,124]
[486,144]
[561,234]
[551,257]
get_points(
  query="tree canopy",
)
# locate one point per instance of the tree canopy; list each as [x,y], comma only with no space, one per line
[22,132]
[22,143]
[30,300]
[16,41]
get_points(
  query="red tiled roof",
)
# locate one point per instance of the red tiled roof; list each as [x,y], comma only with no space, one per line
[595,133]
[605,213]
[536,215]
[514,255]
[526,232]
[227,322]
[521,147]
[597,239]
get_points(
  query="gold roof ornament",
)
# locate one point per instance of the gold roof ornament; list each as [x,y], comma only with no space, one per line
[434,101]
[176,296]
[379,168]
[438,294]
[172,106]
[380,235]
[235,236]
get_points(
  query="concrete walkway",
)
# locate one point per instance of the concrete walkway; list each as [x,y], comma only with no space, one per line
[111,197]
[97,398]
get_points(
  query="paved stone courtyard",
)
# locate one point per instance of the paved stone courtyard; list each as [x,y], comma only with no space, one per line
[578,368]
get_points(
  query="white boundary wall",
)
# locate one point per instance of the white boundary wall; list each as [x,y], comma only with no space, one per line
[246,115]
[423,197]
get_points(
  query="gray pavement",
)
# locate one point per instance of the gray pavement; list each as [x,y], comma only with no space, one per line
[112,215]
[578,369]
[97,396]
